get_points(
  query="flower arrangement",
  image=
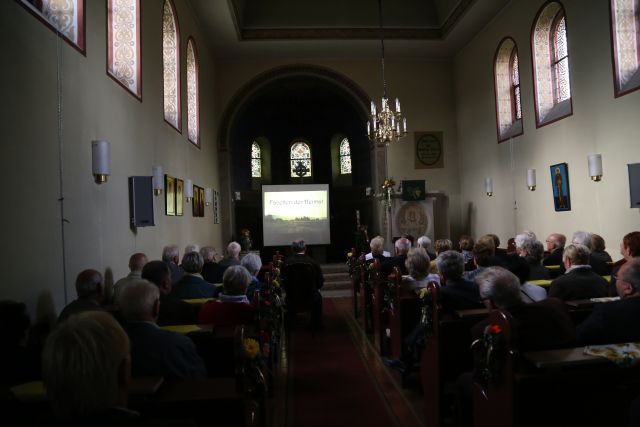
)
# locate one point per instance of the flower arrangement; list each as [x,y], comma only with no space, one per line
[491,351]
[388,183]
[251,348]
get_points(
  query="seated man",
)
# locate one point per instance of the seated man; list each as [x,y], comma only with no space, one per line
[192,285]
[253,264]
[154,351]
[90,291]
[232,258]
[233,307]
[532,251]
[86,371]
[616,321]
[555,247]
[425,243]
[418,266]
[290,270]
[171,256]
[402,246]
[483,257]
[456,292]
[173,311]
[210,266]
[598,265]
[377,250]
[465,244]
[579,280]
[136,262]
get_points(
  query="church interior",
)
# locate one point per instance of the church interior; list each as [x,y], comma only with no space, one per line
[518,115]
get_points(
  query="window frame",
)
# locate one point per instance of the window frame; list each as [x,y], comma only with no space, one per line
[340,156]
[553,55]
[178,65]
[137,95]
[191,40]
[516,127]
[308,144]
[81,46]
[254,158]
[515,87]
[617,86]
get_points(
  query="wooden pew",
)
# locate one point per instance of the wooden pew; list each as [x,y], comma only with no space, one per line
[557,387]
[380,306]
[368,275]
[404,313]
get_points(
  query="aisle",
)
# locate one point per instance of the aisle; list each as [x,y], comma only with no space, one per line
[329,382]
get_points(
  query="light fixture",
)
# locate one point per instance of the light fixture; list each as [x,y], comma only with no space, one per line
[208,196]
[100,161]
[488,186]
[385,125]
[188,190]
[531,179]
[595,167]
[157,180]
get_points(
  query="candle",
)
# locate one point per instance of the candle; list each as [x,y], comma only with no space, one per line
[373,108]
[397,105]
[404,124]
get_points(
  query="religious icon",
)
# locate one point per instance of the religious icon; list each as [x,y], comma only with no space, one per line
[179,197]
[560,186]
[170,195]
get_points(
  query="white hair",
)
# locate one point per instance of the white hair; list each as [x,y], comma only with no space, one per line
[137,299]
[191,248]
[582,238]
[208,253]
[424,242]
[233,249]
[251,262]
[170,252]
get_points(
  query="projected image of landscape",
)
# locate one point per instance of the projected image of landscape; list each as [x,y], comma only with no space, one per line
[295,212]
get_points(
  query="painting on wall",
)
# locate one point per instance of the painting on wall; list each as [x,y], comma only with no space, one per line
[560,186]
[197,205]
[201,203]
[170,195]
[179,197]
[413,190]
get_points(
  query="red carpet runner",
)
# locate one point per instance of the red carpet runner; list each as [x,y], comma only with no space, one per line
[330,386]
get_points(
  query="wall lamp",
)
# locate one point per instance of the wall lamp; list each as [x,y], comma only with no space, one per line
[157,180]
[488,186]
[100,160]
[595,167]
[531,179]
[188,190]
[208,196]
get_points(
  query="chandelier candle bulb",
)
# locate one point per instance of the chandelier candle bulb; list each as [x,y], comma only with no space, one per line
[404,124]
[188,190]
[488,186]
[531,179]
[157,181]
[595,167]
[373,108]
[397,105]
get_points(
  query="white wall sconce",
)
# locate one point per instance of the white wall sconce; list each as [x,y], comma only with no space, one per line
[595,167]
[488,186]
[100,160]
[188,190]
[208,196]
[157,179]
[531,179]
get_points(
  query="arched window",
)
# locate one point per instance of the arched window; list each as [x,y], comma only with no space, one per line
[193,105]
[550,58]
[63,17]
[506,78]
[345,157]
[256,160]
[123,40]
[171,65]
[625,28]
[300,156]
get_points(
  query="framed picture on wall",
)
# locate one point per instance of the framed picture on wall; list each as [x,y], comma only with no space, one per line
[216,207]
[429,150]
[169,195]
[201,203]
[179,197]
[197,206]
[560,186]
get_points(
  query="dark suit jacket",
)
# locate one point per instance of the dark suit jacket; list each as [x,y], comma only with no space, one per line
[78,306]
[298,258]
[554,258]
[536,270]
[460,295]
[210,271]
[156,352]
[581,283]
[176,272]
[193,287]
[386,267]
[611,322]
[540,325]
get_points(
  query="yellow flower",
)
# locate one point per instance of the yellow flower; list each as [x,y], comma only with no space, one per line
[349,255]
[251,348]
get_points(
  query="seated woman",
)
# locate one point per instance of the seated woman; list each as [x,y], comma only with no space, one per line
[233,307]
[418,266]
[377,250]
[253,264]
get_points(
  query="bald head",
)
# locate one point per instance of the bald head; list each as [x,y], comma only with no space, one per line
[137,261]
[89,284]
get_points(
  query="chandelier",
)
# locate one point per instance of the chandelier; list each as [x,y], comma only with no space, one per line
[385,125]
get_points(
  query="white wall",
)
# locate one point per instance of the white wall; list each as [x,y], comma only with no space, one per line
[93,107]
[599,124]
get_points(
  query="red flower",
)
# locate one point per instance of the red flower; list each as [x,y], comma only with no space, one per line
[494,329]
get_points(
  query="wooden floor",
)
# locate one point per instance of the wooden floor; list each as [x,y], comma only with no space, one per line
[405,405]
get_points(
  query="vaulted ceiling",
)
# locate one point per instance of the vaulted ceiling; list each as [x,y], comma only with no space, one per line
[300,29]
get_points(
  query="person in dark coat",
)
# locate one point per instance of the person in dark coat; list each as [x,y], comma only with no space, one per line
[91,295]
[555,246]
[579,280]
[402,246]
[456,292]
[192,285]
[173,311]
[171,256]
[616,321]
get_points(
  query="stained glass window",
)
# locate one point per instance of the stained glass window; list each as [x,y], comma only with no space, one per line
[123,38]
[66,17]
[345,157]
[170,65]
[256,160]
[300,156]
[625,15]
[560,65]
[515,85]
[193,107]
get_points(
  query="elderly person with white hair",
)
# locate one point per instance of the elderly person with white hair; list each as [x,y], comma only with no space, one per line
[585,238]
[192,285]
[417,264]
[171,257]
[402,246]
[425,243]
[253,264]
[233,307]
[232,258]
[377,250]
[155,351]
[210,266]
[579,280]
